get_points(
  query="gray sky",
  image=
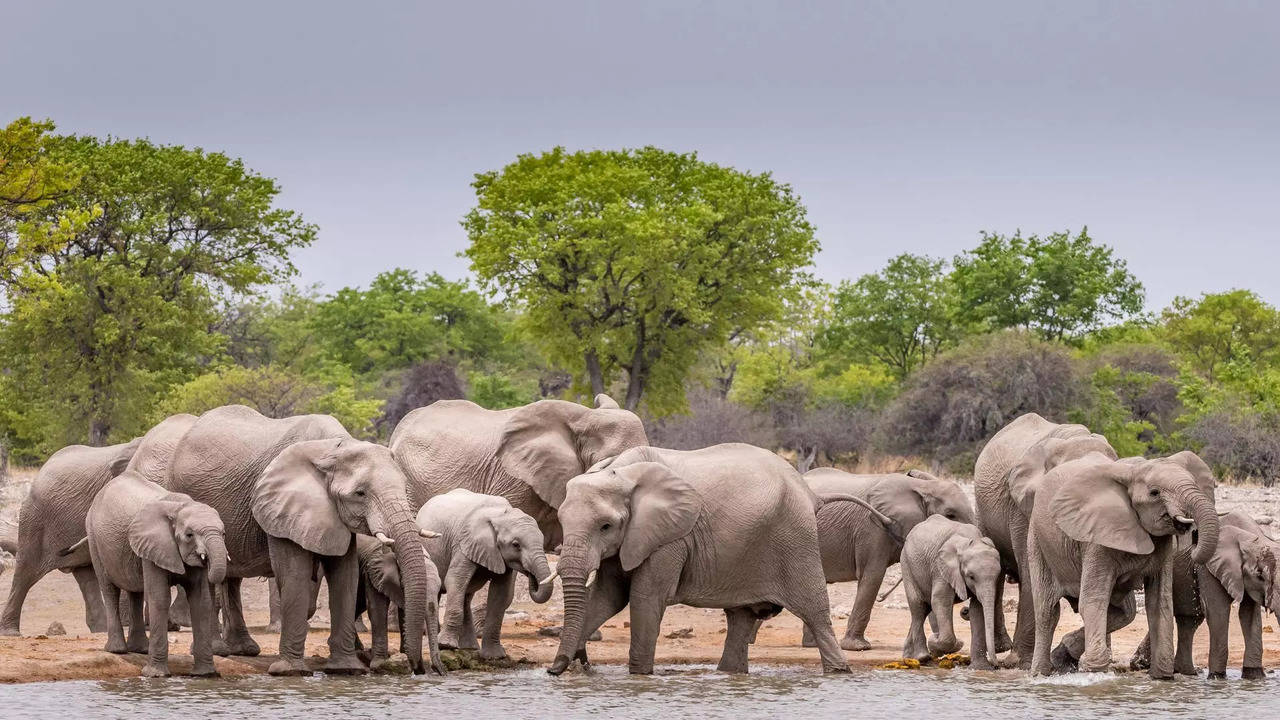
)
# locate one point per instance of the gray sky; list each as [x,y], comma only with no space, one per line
[903,126]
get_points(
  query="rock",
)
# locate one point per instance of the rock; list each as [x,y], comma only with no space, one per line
[550,631]
[397,664]
[517,615]
[680,633]
[55,628]
[1264,519]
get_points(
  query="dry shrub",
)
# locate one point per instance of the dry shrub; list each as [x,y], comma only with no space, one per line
[421,385]
[1240,445]
[711,420]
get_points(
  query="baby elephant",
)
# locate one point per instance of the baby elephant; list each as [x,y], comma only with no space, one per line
[945,562]
[382,586]
[145,539]
[483,539]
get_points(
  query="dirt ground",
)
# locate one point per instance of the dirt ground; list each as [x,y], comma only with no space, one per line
[78,654]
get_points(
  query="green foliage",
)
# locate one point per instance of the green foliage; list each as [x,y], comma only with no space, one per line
[31,180]
[1220,328]
[1059,286]
[499,390]
[901,316]
[637,261]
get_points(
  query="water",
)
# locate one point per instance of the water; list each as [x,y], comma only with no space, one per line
[675,691]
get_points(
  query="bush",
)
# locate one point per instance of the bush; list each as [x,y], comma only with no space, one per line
[1240,445]
[954,403]
[420,386]
[711,420]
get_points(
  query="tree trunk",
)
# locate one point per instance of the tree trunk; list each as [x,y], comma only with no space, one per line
[4,461]
[594,373]
[99,429]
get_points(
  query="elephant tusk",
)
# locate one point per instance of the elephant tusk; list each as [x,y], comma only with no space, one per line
[591,578]
[1183,520]
[549,579]
[203,557]
[429,534]
[382,537]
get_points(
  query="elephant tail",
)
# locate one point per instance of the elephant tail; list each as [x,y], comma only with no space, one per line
[887,522]
[885,594]
[84,542]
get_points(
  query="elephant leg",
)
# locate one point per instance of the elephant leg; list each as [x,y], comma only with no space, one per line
[379,650]
[115,632]
[343,575]
[217,619]
[180,610]
[502,590]
[915,646]
[1024,632]
[1251,628]
[860,616]
[1217,613]
[293,566]
[806,597]
[236,632]
[137,642]
[28,569]
[1141,658]
[806,635]
[978,635]
[95,614]
[457,580]
[1159,601]
[1097,581]
[741,621]
[1003,642]
[1047,598]
[155,583]
[273,605]
[1066,656]
[1183,664]
[198,592]
[467,636]
[942,600]
[652,587]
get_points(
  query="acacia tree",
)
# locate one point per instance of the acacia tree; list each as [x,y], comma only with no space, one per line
[636,261]
[107,313]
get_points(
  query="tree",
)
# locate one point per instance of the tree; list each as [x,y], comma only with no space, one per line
[31,180]
[900,316]
[106,316]
[637,261]
[1059,286]
[1219,326]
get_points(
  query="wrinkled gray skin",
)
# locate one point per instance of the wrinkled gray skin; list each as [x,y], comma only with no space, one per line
[856,545]
[51,521]
[293,493]
[943,563]
[1005,477]
[525,454]
[1102,528]
[382,586]
[730,526]
[483,540]
[144,539]
[1242,570]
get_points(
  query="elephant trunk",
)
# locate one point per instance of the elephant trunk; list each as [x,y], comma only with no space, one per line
[412,562]
[1203,512]
[540,583]
[988,599]
[433,634]
[576,564]
[216,551]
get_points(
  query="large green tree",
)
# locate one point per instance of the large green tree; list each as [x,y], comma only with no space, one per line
[1218,327]
[1058,286]
[637,261]
[106,314]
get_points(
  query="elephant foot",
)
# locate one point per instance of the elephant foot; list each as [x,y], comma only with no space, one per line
[836,670]
[1063,661]
[8,631]
[242,646]
[1217,675]
[977,662]
[1160,674]
[345,666]
[1189,671]
[153,670]
[944,646]
[273,627]
[205,671]
[559,665]
[808,641]
[1004,643]
[288,668]
[448,641]
[175,626]
[137,646]
[116,647]
[1253,673]
[220,647]
[856,644]
[493,652]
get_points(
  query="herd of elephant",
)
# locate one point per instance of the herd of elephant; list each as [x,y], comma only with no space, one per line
[462,498]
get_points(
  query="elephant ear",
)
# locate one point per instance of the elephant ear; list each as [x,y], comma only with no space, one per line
[900,502]
[950,556]
[664,508]
[121,461]
[479,540]
[1198,469]
[604,402]
[539,448]
[384,573]
[1227,563]
[151,534]
[1093,506]
[291,498]
[1025,476]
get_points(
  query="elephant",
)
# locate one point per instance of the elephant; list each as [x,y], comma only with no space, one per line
[861,544]
[382,586]
[1005,477]
[51,524]
[1242,570]
[142,540]
[525,454]
[483,540]
[1101,528]
[729,526]
[945,562]
[294,492]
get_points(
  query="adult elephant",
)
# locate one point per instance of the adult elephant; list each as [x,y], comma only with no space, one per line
[860,543]
[51,521]
[1100,529]
[293,492]
[1005,477]
[525,454]
[730,526]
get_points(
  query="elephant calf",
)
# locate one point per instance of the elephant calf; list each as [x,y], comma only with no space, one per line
[144,539]
[382,586]
[945,562]
[482,540]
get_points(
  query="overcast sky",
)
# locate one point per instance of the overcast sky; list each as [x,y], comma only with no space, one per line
[903,126]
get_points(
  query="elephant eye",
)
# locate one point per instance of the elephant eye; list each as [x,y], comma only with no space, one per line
[190,535]
[605,527]
[515,544]
[1155,493]
[359,493]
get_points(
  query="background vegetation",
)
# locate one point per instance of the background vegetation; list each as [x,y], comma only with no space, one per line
[139,280]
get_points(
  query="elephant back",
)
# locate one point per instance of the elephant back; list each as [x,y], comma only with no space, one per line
[63,491]
[155,453]
[107,524]
[448,444]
